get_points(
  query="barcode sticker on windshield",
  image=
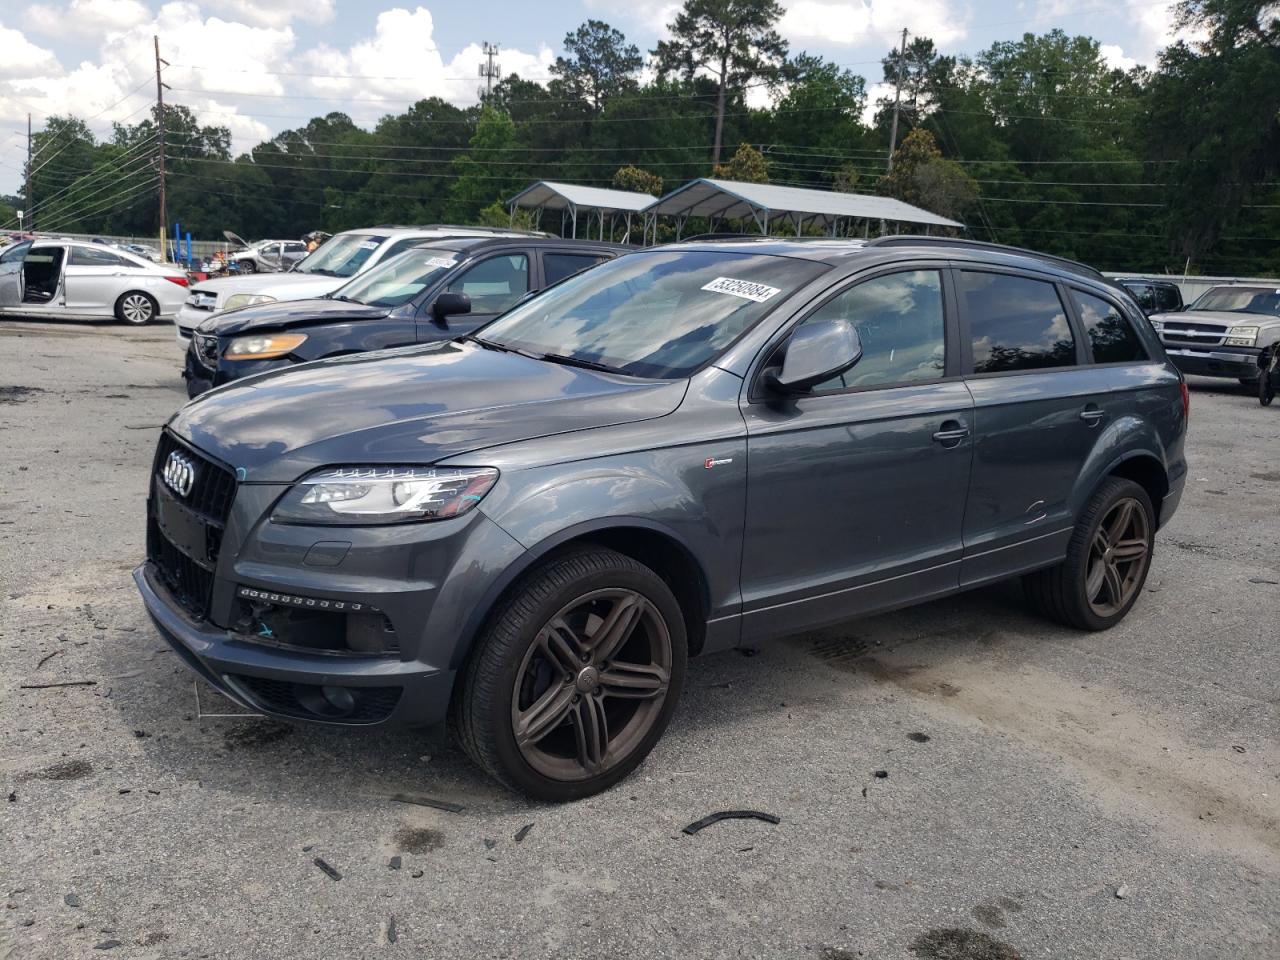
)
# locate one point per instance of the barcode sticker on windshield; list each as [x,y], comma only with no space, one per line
[369,245]
[443,262]
[745,289]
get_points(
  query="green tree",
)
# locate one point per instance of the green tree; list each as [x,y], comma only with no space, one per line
[735,41]
[747,165]
[490,172]
[922,177]
[600,64]
[637,180]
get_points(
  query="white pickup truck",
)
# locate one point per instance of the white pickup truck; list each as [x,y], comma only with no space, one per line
[1224,332]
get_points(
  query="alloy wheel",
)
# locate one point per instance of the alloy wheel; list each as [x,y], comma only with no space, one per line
[592,684]
[1118,557]
[136,308]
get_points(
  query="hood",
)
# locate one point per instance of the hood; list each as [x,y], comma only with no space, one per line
[234,238]
[1226,317]
[282,286]
[288,314]
[416,405]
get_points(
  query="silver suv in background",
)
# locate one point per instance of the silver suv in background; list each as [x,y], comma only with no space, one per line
[265,256]
[331,265]
[1224,332]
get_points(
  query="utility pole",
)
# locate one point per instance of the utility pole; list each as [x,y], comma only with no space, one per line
[897,98]
[490,68]
[160,87]
[26,190]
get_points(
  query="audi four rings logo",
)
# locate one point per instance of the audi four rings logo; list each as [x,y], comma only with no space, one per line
[179,474]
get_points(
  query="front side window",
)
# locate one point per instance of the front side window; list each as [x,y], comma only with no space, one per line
[15,252]
[1167,297]
[899,319]
[658,314]
[1143,295]
[342,256]
[557,266]
[1015,323]
[1110,334]
[399,279]
[494,285]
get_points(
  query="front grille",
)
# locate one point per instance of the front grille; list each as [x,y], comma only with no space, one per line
[1202,334]
[190,578]
[190,583]
[214,487]
[305,700]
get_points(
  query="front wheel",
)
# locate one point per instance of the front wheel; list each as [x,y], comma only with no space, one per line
[1107,560]
[136,308]
[575,677]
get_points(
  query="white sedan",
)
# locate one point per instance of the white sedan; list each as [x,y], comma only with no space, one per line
[76,280]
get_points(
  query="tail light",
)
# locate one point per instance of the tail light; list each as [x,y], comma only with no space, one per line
[1186,400]
[180,281]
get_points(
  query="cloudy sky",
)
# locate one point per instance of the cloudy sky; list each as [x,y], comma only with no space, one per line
[260,66]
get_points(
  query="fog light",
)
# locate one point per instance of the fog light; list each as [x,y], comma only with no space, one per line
[339,698]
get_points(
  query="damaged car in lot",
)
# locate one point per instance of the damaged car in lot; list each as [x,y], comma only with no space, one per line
[526,530]
[265,256]
[1224,332]
[72,279]
[437,291]
[336,261]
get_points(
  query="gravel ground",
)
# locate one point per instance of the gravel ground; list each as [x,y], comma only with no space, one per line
[1049,794]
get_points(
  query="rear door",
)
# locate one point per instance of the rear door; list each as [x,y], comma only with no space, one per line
[94,277]
[494,283]
[1035,419]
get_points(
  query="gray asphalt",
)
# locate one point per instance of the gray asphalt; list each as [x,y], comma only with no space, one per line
[1107,795]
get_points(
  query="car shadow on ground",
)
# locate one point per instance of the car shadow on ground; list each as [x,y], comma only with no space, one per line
[343,769]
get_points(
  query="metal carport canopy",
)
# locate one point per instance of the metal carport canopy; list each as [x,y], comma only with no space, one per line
[568,196]
[730,199]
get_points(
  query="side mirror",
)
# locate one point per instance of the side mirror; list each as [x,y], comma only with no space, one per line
[816,352]
[450,305]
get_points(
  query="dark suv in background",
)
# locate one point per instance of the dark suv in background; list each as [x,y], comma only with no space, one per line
[688,448]
[438,290]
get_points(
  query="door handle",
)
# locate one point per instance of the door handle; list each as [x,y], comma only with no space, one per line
[1092,415]
[952,432]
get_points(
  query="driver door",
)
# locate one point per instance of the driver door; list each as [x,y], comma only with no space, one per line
[11,274]
[494,285]
[856,491]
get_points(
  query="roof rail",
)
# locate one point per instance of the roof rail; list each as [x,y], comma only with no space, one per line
[908,240]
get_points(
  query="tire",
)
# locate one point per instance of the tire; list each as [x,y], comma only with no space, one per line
[248,266]
[1067,593]
[136,308]
[548,712]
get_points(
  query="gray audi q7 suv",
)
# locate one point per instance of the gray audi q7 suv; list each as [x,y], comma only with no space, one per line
[527,530]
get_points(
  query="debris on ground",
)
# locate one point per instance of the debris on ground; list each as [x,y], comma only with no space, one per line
[1270,583]
[416,874]
[522,832]
[106,945]
[446,805]
[72,900]
[332,873]
[46,658]
[1122,891]
[919,737]
[394,862]
[489,844]
[881,774]
[1237,748]
[391,929]
[711,818]
[63,683]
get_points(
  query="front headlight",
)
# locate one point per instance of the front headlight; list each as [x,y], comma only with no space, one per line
[238,300]
[370,495]
[1242,336]
[1157,325]
[267,346]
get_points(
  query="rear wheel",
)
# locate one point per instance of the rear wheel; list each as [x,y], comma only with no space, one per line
[575,677]
[1107,560]
[136,308]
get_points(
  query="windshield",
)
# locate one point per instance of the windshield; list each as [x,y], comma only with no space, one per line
[401,278]
[342,256]
[659,314]
[1263,300]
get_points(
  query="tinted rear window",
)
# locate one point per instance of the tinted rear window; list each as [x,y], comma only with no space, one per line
[1015,323]
[1111,337]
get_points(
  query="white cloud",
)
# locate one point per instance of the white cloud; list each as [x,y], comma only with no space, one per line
[403,64]
[86,18]
[873,21]
[21,57]
[277,13]
[1114,57]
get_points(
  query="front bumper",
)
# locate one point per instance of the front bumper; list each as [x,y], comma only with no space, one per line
[283,682]
[1215,361]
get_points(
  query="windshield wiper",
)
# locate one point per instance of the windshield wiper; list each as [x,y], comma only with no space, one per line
[345,299]
[579,362]
[487,344]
